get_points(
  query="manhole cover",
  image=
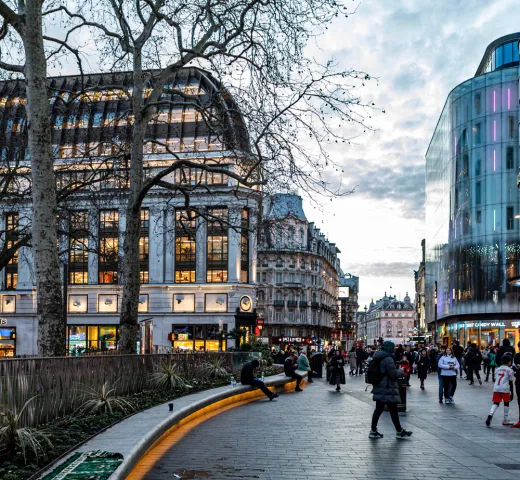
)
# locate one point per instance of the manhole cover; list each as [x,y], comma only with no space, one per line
[508,466]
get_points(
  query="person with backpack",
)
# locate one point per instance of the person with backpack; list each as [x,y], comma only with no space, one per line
[382,374]
[492,364]
[449,366]
[474,360]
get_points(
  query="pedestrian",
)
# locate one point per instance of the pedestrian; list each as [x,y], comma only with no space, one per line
[404,364]
[360,357]
[458,351]
[492,364]
[289,367]
[485,358]
[503,390]
[304,366]
[516,368]
[505,348]
[279,358]
[423,366]
[352,360]
[247,377]
[398,355]
[441,352]
[386,389]
[449,366]
[337,373]
[473,361]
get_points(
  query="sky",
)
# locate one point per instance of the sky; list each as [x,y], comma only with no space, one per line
[418,50]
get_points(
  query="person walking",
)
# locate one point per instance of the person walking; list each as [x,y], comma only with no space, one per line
[352,360]
[449,366]
[247,377]
[386,390]
[360,357]
[505,348]
[304,366]
[492,364]
[423,366]
[485,359]
[289,368]
[474,360]
[337,372]
[516,368]
[441,352]
[503,390]
[458,352]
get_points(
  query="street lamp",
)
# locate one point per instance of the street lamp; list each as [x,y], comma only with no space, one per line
[365,327]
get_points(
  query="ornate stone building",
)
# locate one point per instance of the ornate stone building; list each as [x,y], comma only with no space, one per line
[298,276]
[347,327]
[390,319]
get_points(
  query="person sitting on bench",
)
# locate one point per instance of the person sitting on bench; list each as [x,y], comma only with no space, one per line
[247,377]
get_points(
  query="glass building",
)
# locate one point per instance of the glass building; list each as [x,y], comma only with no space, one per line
[472,205]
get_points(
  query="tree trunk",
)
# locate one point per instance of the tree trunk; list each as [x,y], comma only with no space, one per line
[130,265]
[51,325]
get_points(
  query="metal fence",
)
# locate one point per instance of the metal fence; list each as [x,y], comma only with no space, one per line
[58,382]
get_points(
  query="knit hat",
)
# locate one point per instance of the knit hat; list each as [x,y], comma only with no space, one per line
[388,346]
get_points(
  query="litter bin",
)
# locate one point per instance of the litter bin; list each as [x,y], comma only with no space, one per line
[401,407]
[317,364]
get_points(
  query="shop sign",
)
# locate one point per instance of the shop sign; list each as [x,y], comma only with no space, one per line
[259,321]
[291,340]
[3,321]
[484,324]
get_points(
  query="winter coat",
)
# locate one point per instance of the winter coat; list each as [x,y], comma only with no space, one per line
[303,363]
[247,374]
[387,390]
[353,360]
[492,359]
[289,367]
[473,358]
[444,365]
[505,348]
[337,374]
[423,365]
[458,351]
[360,355]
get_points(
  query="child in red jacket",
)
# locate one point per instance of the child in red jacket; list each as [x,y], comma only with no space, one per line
[406,367]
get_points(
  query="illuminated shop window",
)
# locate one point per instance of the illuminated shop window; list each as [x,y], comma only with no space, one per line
[11,238]
[185,246]
[108,246]
[78,248]
[217,245]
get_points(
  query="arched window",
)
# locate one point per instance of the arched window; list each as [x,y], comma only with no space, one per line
[313,298]
[265,262]
[279,262]
[278,295]
[261,295]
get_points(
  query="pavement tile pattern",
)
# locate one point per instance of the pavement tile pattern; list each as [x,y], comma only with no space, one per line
[322,434]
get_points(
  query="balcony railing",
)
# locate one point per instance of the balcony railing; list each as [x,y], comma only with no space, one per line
[279,303]
[304,305]
[292,303]
[315,304]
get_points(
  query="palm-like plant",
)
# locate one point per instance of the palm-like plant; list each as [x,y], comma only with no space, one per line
[215,368]
[166,377]
[103,399]
[13,434]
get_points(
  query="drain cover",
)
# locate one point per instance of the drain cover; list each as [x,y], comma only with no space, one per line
[508,466]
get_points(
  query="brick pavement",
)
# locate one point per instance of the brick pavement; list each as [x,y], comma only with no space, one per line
[322,434]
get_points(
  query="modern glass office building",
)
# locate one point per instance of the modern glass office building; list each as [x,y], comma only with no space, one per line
[472,204]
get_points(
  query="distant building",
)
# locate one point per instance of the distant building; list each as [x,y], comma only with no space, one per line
[298,276]
[390,319]
[348,306]
[420,279]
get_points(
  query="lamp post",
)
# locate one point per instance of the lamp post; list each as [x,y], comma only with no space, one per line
[435,313]
[365,326]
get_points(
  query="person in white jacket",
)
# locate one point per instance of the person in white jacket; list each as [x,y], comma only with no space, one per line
[448,364]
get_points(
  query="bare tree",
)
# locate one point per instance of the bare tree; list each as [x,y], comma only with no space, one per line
[291,105]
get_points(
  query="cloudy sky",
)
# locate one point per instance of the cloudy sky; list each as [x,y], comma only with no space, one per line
[419,50]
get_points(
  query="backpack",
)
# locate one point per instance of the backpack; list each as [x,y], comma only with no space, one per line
[373,375]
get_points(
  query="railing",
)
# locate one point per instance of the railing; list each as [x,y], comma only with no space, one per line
[59,382]
[292,303]
[279,303]
[315,304]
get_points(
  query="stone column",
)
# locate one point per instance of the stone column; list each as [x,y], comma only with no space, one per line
[156,245]
[201,249]
[234,243]
[169,245]
[93,244]
[25,256]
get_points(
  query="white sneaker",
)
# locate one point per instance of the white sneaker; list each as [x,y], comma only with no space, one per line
[507,422]
[451,400]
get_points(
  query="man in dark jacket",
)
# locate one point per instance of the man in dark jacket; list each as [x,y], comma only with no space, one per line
[458,352]
[386,392]
[289,367]
[473,361]
[360,358]
[247,377]
[505,348]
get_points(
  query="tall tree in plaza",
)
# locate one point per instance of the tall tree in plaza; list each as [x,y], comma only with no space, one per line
[23,27]
[290,103]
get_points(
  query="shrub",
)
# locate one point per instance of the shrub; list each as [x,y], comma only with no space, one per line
[166,377]
[215,368]
[103,399]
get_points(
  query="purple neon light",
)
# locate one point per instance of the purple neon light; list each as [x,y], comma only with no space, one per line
[494,160]
[455,145]
[494,100]
[509,99]
[494,130]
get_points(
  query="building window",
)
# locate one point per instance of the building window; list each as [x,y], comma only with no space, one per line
[244,260]
[510,218]
[477,136]
[465,165]
[185,246]
[477,103]
[78,248]
[183,302]
[217,243]
[108,246]
[11,238]
[83,338]
[143,245]
[478,167]
[478,193]
[511,126]
[278,278]
[510,158]
[466,223]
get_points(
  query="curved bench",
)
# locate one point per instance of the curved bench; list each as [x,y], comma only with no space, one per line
[139,433]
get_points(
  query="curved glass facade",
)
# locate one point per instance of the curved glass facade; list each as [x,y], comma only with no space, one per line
[472,235]
[504,55]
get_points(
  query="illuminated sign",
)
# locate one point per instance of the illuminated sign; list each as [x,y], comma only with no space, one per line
[486,324]
[3,321]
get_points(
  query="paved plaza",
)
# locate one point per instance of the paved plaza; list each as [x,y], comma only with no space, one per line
[323,434]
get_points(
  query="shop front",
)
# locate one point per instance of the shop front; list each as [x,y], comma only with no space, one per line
[482,332]
[205,338]
[7,342]
[91,338]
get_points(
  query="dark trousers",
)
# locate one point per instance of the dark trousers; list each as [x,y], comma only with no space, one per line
[449,383]
[517,388]
[471,371]
[392,408]
[256,382]
[441,384]
[491,369]
[359,367]
[309,376]
[461,366]
[297,377]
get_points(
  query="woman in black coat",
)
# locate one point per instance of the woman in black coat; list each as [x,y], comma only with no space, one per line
[335,367]
[423,366]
